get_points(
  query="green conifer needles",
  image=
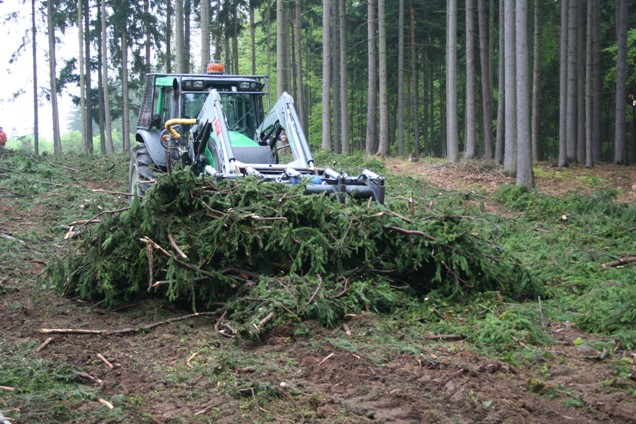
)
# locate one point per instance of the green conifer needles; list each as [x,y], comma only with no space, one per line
[245,244]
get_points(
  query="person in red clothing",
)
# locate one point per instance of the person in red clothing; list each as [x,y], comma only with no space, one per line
[3,139]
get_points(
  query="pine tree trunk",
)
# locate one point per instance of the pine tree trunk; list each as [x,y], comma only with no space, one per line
[415,106]
[563,75]
[486,88]
[501,109]
[300,96]
[88,79]
[36,123]
[622,8]
[524,149]
[235,32]
[536,79]
[400,86]
[205,34]
[335,62]
[371,143]
[169,30]
[452,143]
[510,145]
[57,142]
[107,121]
[344,109]
[326,75]
[125,118]
[589,162]
[383,145]
[598,81]
[580,83]
[148,42]
[282,46]
[82,83]
[253,36]
[571,93]
[100,84]
[219,32]
[179,44]
[187,11]
[471,147]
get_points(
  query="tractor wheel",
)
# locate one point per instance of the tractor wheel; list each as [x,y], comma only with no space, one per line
[141,171]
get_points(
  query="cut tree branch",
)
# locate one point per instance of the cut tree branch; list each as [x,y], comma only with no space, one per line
[123,330]
[619,262]
[413,232]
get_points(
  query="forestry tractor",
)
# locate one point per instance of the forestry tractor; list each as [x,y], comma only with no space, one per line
[215,124]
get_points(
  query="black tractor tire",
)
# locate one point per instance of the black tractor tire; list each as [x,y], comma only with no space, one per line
[141,171]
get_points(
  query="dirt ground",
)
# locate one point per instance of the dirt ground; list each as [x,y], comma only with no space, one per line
[185,372]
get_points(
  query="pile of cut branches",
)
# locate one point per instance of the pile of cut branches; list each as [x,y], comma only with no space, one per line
[263,250]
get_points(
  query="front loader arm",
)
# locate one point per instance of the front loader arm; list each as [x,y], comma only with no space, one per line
[212,119]
[283,116]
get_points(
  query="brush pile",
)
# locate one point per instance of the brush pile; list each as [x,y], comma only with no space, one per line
[263,251]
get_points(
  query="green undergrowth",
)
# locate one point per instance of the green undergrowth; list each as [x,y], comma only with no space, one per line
[42,392]
[269,254]
[566,241]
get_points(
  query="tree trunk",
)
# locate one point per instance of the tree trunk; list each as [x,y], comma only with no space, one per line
[300,96]
[326,75]
[471,148]
[598,81]
[580,83]
[148,42]
[87,77]
[253,35]
[125,118]
[563,78]
[57,142]
[571,93]
[169,30]
[100,84]
[344,109]
[383,145]
[268,42]
[107,121]
[452,143]
[36,124]
[536,79]
[179,45]
[219,32]
[415,106]
[524,149]
[187,10]
[510,145]
[620,156]
[400,86]
[82,83]
[499,144]
[205,34]
[235,35]
[372,102]
[282,43]
[588,87]
[335,91]
[486,88]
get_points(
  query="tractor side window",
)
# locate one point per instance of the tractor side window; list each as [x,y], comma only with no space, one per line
[161,104]
[165,107]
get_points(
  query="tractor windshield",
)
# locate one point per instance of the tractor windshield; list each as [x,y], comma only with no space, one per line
[239,108]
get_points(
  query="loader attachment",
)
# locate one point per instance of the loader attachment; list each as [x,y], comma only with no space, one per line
[229,154]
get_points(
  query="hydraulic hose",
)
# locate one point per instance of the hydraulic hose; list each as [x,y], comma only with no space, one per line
[178,121]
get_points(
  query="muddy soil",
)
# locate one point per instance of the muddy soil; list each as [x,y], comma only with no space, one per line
[185,372]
